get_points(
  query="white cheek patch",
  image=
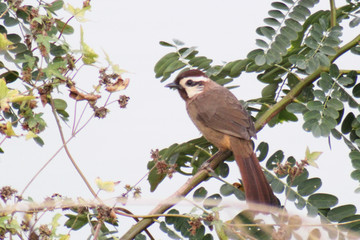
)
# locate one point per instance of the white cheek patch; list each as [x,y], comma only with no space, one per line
[193,90]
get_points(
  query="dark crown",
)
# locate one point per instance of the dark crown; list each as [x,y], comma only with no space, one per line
[189,73]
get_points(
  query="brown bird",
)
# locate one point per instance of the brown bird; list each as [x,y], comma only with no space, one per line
[224,122]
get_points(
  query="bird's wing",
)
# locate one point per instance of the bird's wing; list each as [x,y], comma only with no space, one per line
[224,113]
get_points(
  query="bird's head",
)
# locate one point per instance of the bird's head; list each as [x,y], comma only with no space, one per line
[189,83]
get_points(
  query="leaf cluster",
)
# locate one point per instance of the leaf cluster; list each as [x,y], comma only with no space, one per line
[297,62]
[37,62]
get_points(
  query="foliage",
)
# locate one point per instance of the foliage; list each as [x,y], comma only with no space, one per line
[297,62]
[37,66]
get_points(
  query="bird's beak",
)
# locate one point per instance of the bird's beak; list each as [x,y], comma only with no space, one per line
[173,85]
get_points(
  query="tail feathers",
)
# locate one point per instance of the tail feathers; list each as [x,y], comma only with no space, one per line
[257,188]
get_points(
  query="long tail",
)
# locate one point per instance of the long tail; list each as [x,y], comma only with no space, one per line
[257,189]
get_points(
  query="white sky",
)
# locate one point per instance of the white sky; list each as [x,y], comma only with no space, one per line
[118,147]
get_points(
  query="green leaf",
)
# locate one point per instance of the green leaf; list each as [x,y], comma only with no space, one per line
[14,38]
[10,76]
[345,81]
[239,66]
[154,177]
[269,91]
[309,186]
[319,95]
[313,64]
[331,42]
[346,125]
[75,222]
[308,125]
[78,13]
[266,31]
[355,174]
[331,112]
[63,27]
[227,189]
[329,122]
[308,3]
[312,115]
[312,210]
[280,6]
[263,147]
[353,222]
[298,16]
[58,50]
[341,212]
[141,236]
[276,14]
[178,42]
[89,55]
[323,59]
[200,194]
[278,47]
[299,179]
[252,55]
[283,40]
[164,62]
[212,201]
[315,105]
[272,22]
[18,48]
[293,24]
[296,107]
[60,104]
[277,186]
[356,90]
[323,200]
[10,21]
[56,5]
[328,50]
[325,82]
[355,159]
[223,170]
[273,56]
[303,10]
[334,71]
[336,104]
[260,59]
[277,157]
[316,130]
[176,65]
[166,44]
[289,33]
[353,23]
[261,43]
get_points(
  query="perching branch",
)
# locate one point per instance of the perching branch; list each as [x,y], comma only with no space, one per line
[198,178]
[222,156]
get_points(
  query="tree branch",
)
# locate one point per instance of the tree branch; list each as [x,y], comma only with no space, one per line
[68,152]
[221,156]
[276,108]
[332,13]
[199,177]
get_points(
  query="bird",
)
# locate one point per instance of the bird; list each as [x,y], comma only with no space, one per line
[225,123]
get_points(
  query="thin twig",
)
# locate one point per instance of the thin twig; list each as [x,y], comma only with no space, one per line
[68,152]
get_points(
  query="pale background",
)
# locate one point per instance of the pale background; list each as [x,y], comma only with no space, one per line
[118,147]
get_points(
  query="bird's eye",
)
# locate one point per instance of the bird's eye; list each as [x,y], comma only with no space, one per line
[190,82]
